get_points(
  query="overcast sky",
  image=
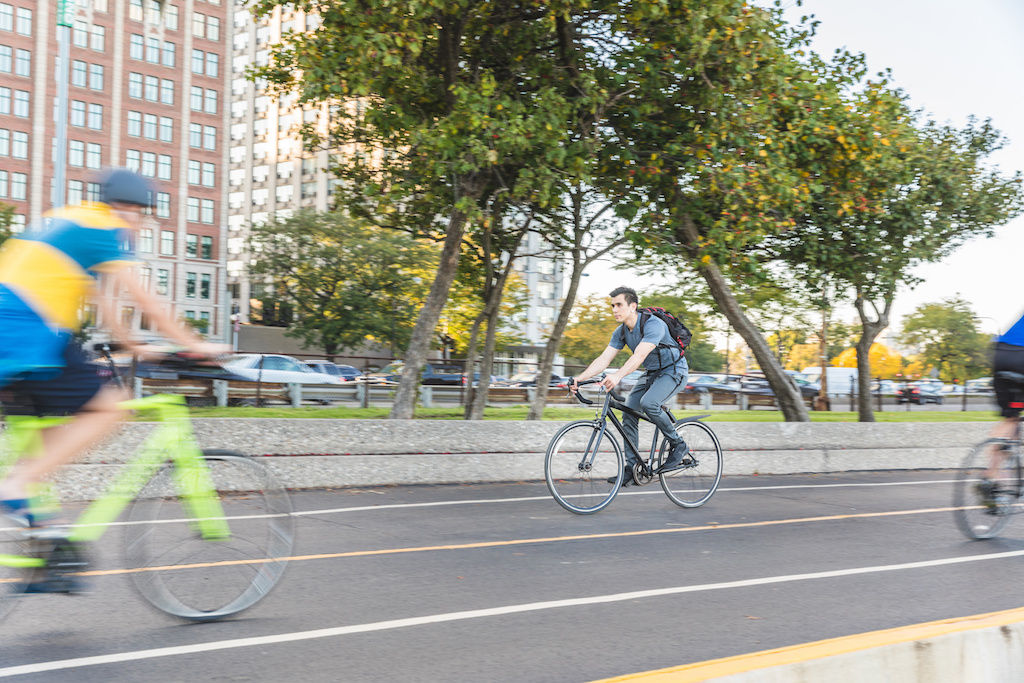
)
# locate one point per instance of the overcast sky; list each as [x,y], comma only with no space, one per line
[954,59]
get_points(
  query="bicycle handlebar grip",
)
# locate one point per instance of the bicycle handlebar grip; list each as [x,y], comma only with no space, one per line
[616,395]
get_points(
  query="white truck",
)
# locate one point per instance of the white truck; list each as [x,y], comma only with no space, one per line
[840,380]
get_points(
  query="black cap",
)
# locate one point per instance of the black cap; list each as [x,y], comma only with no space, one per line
[119,185]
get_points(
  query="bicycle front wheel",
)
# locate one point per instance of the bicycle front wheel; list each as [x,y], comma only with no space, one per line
[696,480]
[16,556]
[982,514]
[203,579]
[579,461]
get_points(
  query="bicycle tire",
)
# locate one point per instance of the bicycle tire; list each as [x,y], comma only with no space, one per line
[13,579]
[693,484]
[973,519]
[196,579]
[576,474]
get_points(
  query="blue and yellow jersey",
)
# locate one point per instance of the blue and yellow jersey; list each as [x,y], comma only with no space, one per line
[45,277]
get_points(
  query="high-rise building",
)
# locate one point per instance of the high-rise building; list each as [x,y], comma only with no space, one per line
[270,173]
[146,91]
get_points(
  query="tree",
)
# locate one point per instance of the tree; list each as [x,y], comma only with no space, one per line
[589,330]
[884,361]
[459,101]
[947,336]
[6,221]
[345,280]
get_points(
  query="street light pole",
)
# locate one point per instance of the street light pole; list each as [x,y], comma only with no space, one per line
[65,16]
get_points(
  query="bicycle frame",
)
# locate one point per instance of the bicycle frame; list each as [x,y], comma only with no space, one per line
[173,439]
[605,415]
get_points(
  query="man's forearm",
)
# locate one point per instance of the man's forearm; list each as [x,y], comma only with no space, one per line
[598,365]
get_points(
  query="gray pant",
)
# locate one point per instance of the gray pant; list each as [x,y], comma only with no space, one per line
[648,396]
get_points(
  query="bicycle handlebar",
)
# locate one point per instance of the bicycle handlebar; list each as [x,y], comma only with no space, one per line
[579,397]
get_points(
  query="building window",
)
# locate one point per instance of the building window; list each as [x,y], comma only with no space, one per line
[6,17]
[92,192]
[206,211]
[96,77]
[204,286]
[192,213]
[80,34]
[135,85]
[99,5]
[153,50]
[167,243]
[6,58]
[5,142]
[93,155]
[190,285]
[192,246]
[146,241]
[96,116]
[24,25]
[166,129]
[74,192]
[19,181]
[212,64]
[171,17]
[132,160]
[76,153]
[209,138]
[209,174]
[79,72]
[162,281]
[204,317]
[136,45]
[166,91]
[169,52]
[148,167]
[19,145]
[211,102]
[206,247]
[195,101]
[21,103]
[198,25]
[212,28]
[98,38]
[77,113]
[5,100]
[135,10]
[23,63]
[163,205]
[197,61]
[149,126]
[152,88]
[3,184]
[164,167]
[134,124]
[145,276]
[194,172]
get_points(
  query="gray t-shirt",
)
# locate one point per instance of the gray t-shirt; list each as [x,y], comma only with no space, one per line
[656,332]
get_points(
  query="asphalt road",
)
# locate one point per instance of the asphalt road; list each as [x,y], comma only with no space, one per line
[497,583]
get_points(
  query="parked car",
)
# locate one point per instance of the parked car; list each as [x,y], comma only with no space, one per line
[920,393]
[494,381]
[761,387]
[982,385]
[277,368]
[529,379]
[346,373]
[391,369]
[886,387]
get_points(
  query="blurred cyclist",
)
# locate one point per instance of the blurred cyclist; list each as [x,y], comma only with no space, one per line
[654,348]
[45,276]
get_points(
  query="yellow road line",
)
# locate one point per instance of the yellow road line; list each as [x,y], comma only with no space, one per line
[795,654]
[522,541]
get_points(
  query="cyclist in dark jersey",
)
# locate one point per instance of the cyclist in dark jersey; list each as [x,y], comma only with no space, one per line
[1008,355]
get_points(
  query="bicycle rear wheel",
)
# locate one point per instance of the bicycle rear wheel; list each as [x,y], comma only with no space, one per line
[693,484]
[578,464]
[201,579]
[974,518]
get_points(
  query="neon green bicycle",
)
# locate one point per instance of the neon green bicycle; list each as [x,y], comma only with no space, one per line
[208,533]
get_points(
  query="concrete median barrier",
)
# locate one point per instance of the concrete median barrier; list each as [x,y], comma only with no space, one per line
[313,453]
[984,648]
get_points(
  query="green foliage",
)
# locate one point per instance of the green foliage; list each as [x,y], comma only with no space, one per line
[6,221]
[947,336]
[346,281]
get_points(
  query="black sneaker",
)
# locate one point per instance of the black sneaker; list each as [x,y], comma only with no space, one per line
[678,457]
[627,478]
[987,495]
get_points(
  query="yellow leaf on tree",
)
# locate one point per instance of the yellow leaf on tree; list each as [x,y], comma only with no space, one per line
[884,142]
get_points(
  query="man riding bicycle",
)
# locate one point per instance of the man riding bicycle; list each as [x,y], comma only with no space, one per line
[1009,356]
[45,276]
[654,348]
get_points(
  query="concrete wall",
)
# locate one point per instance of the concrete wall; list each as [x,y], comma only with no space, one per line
[331,453]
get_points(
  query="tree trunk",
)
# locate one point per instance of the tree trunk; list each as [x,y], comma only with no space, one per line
[786,393]
[540,397]
[470,365]
[486,365]
[423,332]
[870,329]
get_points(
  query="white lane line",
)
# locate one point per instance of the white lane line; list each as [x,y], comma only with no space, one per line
[391,624]
[526,499]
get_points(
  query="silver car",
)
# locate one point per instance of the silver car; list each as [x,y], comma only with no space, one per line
[271,367]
